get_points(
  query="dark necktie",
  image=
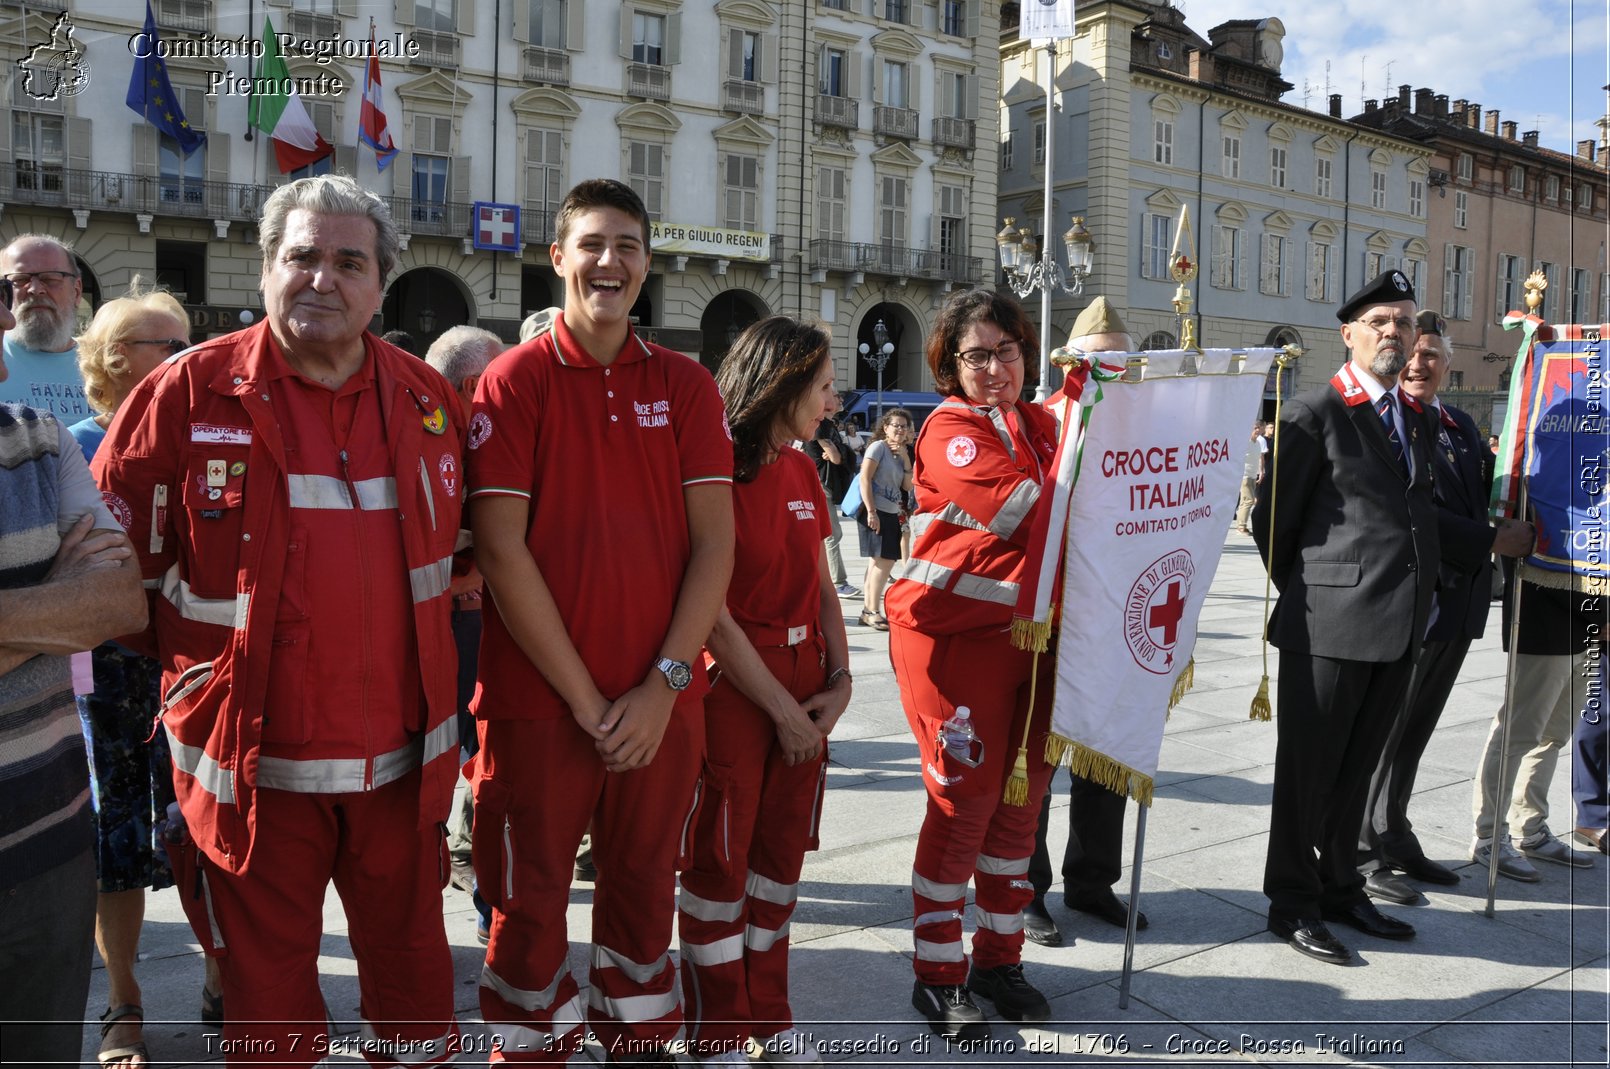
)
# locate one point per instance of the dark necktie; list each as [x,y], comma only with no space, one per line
[1384,407]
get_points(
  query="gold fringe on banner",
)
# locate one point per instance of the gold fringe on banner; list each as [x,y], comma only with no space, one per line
[1183,684]
[1031,635]
[1586,585]
[1113,775]
[1056,748]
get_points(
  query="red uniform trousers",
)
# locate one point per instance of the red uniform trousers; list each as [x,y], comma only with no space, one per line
[538,784]
[266,924]
[969,830]
[758,819]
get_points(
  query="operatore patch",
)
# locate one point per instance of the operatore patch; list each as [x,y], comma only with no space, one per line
[961,451]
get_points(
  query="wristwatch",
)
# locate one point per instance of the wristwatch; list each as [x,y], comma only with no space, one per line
[678,674]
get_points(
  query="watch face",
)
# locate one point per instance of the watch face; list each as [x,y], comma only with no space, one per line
[677,673]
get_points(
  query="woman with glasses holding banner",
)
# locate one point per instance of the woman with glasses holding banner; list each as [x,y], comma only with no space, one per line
[980,461]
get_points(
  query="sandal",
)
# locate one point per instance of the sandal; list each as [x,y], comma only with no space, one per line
[874,620]
[129,1051]
[212,1006]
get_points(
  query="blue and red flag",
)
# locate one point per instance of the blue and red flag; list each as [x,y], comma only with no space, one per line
[372,128]
[151,94]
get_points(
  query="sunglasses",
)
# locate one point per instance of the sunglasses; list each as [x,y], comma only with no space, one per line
[172,345]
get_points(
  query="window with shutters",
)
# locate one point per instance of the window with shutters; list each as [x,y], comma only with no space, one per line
[432,163]
[547,25]
[1584,197]
[1374,263]
[748,56]
[1461,210]
[1551,192]
[832,203]
[1550,308]
[1511,270]
[180,178]
[953,18]
[313,18]
[894,84]
[1581,296]
[544,178]
[1231,165]
[1272,265]
[1039,141]
[322,112]
[645,173]
[1324,167]
[834,73]
[1415,268]
[952,229]
[1321,259]
[897,11]
[1277,167]
[39,147]
[893,192]
[742,192]
[1377,189]
[438,16]
[1466,167]
[1458,281]
[648,38]
[193,16]
[1517,179]
[953,95]
[1417,197]
[1163,141]
[1006,151]
[1157,235]
[1226,272]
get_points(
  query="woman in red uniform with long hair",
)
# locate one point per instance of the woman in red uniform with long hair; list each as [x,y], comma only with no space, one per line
[781,680]
[980,460]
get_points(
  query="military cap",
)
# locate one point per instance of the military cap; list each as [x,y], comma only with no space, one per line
[1386,288]
[1099,317]
[1430,322]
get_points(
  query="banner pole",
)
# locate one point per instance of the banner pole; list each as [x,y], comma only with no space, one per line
[1501,815]
[1134,906]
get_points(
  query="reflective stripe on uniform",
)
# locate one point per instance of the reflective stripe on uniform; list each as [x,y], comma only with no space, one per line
[329,492]
[927,951]
[944,916]
[342,775]
[529,1001]
[954,514]
[982,588]
[767,890]
[705,909]
[196,762]
[1003,866]
[431,580]
[633,1008]
[221,612]
[1000,923]
[936,891]
[926,572]
[763,939]
[637,972]
[718,953]
[1016,509]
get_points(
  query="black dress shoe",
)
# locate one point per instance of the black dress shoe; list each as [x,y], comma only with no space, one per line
[1424,869]
[1383,885]
[1371,921]
[1311,937]
[1038,927]
[1101,902]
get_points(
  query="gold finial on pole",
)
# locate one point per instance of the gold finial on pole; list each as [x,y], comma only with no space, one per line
[1182,269]
[1536,283]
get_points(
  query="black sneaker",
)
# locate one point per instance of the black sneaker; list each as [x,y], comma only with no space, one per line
[950,1010]
[1014,997]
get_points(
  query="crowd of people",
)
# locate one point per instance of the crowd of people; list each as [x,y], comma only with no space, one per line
[366,573]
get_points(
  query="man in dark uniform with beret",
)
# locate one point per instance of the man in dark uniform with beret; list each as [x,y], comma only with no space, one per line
[1347,527]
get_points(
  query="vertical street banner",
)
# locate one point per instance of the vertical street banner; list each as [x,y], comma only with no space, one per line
[1159,476]
[1556,443]
[1045,20]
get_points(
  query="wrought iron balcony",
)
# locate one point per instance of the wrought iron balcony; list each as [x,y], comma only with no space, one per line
[838,111]
[191,16]
[745,98]
[648,80]
[954,133]
[310,25]
[436,49]
[549,66]
[896,261]
[895,122]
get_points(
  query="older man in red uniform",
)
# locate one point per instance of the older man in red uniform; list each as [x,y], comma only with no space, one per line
[294,492]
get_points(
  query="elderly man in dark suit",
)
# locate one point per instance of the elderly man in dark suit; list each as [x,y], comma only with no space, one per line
[1463,470]
[1348,530]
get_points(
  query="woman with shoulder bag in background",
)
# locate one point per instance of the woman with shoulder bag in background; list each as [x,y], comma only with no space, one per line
[885,480]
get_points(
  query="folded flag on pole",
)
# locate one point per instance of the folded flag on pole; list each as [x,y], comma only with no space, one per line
[1045,20]
[151,94]
[372,128]
[277,110]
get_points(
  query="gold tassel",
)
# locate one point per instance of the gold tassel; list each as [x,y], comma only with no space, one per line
[1017,784]
[1261,710]
[1183,684]
[1031,635]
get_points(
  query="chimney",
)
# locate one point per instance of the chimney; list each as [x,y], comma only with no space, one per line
[1336,105]
[1473,115]
[1492,122]
[1199,65]
[1584,150]
[1403,97]
[1422,100]
[1442,105]
[1458,111]
[1509,126]
[1529,138]
[1369,107]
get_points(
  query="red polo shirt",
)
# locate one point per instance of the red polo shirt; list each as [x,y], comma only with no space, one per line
[603,454]
[342,677]
[781,519]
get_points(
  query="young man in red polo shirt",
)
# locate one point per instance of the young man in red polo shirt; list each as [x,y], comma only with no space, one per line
[601,486]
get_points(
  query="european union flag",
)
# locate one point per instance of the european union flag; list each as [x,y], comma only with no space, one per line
[151,94]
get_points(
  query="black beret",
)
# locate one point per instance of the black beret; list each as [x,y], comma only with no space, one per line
[1387,288]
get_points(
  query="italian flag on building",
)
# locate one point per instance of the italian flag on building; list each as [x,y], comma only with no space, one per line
[277,110]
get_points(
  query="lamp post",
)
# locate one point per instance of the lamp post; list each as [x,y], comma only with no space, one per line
[1026,273]
[877,357]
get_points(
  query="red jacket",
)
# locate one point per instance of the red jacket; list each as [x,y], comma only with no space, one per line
[977,485]
[204,419]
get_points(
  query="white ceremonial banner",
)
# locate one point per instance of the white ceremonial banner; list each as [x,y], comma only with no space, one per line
[1045,20]
[1159,476]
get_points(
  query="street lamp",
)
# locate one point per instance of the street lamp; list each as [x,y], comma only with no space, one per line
[1025,273]
[427,319]
[877,357]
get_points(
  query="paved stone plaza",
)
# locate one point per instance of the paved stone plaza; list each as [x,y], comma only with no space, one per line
[1527,987]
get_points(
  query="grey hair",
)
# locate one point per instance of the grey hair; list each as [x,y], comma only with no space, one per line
[65,248]
[328,194]
[463,351]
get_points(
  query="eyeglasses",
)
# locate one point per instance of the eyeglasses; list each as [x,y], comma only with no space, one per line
[172,345]
[48,279]
[1007,352]
[1403,323]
